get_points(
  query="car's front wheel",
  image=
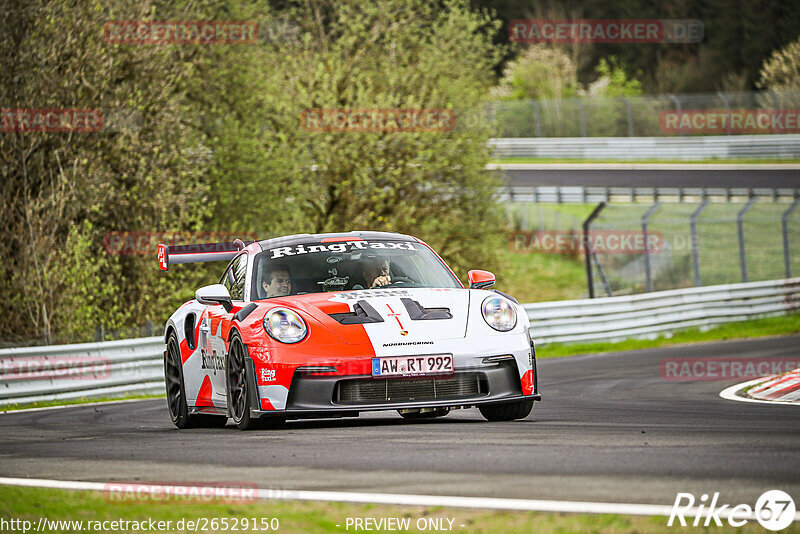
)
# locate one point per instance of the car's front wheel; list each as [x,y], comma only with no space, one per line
[240,393]
[507,411]
[176,392]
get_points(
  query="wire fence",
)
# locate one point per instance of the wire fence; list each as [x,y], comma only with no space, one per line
[698,244]
[747,112]
[641,247]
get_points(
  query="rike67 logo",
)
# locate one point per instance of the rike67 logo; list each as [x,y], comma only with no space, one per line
[774,510]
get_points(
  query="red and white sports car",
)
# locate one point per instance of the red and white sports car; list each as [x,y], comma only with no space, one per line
[331,325]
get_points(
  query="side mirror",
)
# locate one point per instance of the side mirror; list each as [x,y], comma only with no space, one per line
[214,294]
[480,279]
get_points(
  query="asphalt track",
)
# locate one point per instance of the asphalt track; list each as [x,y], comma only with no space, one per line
[609,429]
[643,175]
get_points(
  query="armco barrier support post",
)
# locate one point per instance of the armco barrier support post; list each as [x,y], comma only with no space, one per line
[645,220]
[740,228]
[587,252]
[693,229]
[787,258]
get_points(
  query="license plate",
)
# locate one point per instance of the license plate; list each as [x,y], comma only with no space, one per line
[413,365]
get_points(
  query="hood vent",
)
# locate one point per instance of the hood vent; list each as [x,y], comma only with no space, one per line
[418,313]
[362,313]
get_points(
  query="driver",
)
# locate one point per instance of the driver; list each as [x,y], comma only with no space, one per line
[277,281]
[376,272]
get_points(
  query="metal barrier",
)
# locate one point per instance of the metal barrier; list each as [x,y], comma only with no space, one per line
[779,146]
[591,195]
[654,115]
[114,368]
[650,314]
[90,370]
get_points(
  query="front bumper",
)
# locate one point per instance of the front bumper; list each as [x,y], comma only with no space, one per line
[341,396]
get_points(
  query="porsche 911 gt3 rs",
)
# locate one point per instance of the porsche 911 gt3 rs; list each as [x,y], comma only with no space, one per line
[331,325]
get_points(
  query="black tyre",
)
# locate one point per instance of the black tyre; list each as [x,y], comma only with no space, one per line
[437,412]
[176,392]
[239,394]
[508,411]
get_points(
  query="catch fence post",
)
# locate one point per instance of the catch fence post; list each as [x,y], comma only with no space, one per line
[693,228]
[740,228]
[677,108]
[645,219]
[787,258]
[587,252]
[629,113]
[581,115]
[537,117]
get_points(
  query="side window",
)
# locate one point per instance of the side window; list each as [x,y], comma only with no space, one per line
[234,277]
[227,278]
[239,267]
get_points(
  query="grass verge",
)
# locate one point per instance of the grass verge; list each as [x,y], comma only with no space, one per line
[541,277]
[82,400]
[30,504]
[754,328]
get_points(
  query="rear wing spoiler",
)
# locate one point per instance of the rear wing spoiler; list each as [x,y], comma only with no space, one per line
[175,254]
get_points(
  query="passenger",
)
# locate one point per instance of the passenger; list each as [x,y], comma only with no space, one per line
[376,272]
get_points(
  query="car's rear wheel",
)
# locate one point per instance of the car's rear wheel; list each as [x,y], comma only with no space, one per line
[176,392]
[424,414]
[508,411]
[239,391]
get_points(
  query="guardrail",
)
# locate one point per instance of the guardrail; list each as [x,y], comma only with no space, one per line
[779,146]
[650,314]
[559,194]
[90,370]
[113,368]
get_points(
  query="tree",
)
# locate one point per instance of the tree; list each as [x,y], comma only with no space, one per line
[214,142]
[541,71]
[132,177]
[384,55]
[781,71]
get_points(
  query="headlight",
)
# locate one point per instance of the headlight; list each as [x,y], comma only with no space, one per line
[285,325]
[499,313]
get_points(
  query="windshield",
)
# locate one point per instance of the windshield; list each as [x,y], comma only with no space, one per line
[354,264]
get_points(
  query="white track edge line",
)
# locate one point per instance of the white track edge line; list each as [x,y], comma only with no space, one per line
[730,394]
[74,405]
[491,503]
